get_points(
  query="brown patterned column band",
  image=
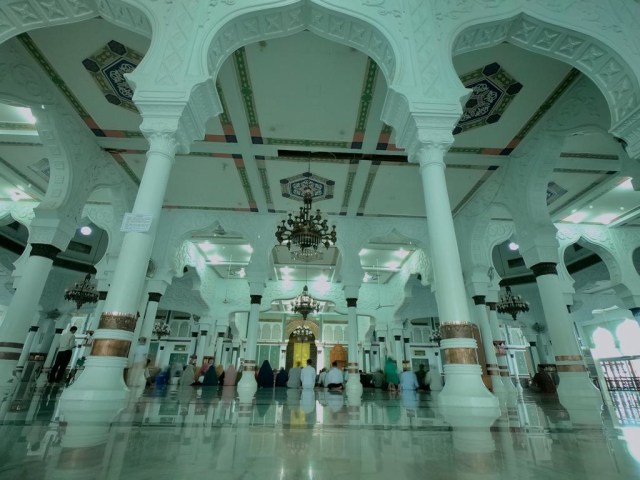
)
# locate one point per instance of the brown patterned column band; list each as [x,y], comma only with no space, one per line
[467,356]
[352,367]
[352,302]
[544,268]
[478,299]
[11,345]
[249,366]
[110,348]
[571,368]
[456,330]
[568,358]
[102,295]
[9,355]
[118,321]
[492,306]
[504,373]
[81,457]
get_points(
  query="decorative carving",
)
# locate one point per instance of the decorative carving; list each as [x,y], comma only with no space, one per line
[456,330]
[118,321]
[466,356]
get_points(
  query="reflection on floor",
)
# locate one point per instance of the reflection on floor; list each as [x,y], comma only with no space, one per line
[300,434]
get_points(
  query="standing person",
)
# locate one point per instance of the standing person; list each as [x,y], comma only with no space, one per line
[321,376]
[333,380]
[391,372]
[67,344]
[408,379]
[308,375]
[421,375]
[294,377]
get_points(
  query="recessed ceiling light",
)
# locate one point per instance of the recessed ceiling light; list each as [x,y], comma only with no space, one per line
[590,206]
[86,230]
[513,246]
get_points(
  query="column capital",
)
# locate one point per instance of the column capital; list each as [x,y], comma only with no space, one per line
[256,299]
[544,268]
[352,302]
[478,299]
[44,250]
[429,153]
[351,291]
[155,296]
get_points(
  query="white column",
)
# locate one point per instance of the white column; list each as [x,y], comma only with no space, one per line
[26,350]
[353,387]
[217,353]
[24,305]
[501,353]
[247,385]
[493,368]
[112,340]
[203,343]
[464,386]
[575,385]
[399,351]
[149,320]
[366,358]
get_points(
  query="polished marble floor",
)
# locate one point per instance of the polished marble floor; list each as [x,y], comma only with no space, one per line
[207,433]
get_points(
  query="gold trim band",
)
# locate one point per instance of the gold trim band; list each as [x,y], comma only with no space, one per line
[81,456]
[110,348]
[461,355]
[11,345]
[568,358]
[504,373]
[456,330]
[118,321]
[571,368]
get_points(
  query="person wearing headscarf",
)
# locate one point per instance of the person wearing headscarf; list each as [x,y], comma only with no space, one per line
[187,376]
[220,374]
[391,372]
[281,378]
[210,378]
[230,376]
[265,375]
[294,377]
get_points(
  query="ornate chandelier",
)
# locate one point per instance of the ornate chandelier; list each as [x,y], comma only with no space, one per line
[512,304]
[306,230]
[161,330]
[304,304]
[82,293]
[302,334]
[436,336]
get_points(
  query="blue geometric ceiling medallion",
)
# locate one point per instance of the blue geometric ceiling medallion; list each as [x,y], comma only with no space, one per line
[107,66]
[493,89]
[554,192]
[296,186]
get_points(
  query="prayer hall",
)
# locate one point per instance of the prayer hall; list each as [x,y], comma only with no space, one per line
[319,239]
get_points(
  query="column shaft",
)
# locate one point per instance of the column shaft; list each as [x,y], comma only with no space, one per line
[499,347]
[493,370]
[354,386]
[464,386]
[24,305]
[572,372]
[117,323]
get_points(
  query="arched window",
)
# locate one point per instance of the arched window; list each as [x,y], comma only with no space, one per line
[605,345]
[628,333]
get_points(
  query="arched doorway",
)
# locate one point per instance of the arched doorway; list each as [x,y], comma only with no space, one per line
[301,347]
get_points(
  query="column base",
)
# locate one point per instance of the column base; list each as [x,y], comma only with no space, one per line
[497,385]
[102,380]
[580,397]
[247,386]
[353,387]
[464,388]
[436,379]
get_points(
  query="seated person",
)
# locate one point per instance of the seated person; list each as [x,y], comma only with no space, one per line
[542,382]
[378,379]
[334,378]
